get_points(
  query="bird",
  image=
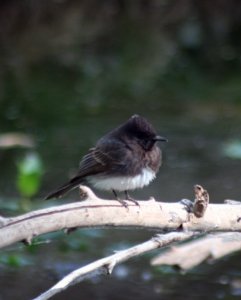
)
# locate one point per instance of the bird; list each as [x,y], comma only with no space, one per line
[126,158]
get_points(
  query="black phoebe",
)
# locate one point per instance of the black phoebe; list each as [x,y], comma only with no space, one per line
[124,159]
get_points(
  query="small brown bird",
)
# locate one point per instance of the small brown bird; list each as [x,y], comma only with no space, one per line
[124,159]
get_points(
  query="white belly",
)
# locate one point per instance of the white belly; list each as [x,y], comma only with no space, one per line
[121,183]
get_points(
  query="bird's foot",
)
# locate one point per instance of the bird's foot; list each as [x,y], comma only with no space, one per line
[122,202]
[188,204]
[127,197]
[131,199]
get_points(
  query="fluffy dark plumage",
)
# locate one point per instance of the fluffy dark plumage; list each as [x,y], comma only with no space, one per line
[124,151]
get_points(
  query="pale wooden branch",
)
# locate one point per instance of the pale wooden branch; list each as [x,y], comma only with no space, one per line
[95,212]
[193,253]
[108,263]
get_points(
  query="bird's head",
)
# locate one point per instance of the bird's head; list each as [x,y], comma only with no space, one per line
[143,132]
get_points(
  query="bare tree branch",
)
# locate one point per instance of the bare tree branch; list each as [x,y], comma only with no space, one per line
[195,252]
[95,212]
[108,263]
[184,216]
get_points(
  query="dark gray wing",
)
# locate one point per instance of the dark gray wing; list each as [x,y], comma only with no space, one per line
[105,158]
[110,156]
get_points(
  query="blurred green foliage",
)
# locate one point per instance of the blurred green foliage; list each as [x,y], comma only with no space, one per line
[14,260]
[30,171]
[29,176]
[144,56]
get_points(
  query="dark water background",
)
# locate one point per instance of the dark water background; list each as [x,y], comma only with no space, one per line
[72,70]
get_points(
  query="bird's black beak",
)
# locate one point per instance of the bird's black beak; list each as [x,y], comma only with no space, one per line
[160,138]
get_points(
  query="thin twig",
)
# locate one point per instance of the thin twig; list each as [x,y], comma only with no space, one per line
[108,263]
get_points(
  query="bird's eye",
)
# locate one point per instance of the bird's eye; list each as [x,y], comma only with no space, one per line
[146,143]
[142,136]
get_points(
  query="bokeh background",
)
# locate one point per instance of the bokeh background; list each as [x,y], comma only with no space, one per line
[72,70]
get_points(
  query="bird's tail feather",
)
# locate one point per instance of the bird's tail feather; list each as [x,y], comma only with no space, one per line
[62,190]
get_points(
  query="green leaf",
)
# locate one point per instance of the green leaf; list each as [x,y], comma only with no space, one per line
[30,172]
[13,261]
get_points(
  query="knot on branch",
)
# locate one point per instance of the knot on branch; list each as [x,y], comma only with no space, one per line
[201,201]
[86,193]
